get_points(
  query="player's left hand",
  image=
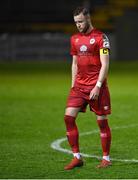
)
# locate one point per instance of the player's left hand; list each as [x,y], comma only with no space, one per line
[94,93]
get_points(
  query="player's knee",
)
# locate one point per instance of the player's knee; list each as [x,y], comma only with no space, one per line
[102,117]
[69,121]
[72,111]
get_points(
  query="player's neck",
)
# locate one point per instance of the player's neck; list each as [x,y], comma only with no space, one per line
[89,30]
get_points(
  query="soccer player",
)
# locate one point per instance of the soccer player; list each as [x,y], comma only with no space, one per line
[90,63]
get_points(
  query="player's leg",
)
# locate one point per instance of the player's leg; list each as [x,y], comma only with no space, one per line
[71,128]
[105,135]
[73,136]
[102,108]
[75,103]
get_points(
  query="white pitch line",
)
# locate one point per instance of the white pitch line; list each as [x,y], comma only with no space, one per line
[57,145]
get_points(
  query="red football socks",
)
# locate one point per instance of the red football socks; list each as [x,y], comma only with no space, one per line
[72,133]
[105,135]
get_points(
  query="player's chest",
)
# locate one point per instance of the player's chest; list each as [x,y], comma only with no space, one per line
[86,45]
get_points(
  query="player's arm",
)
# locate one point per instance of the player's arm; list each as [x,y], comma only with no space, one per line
[104,58]
[74,69]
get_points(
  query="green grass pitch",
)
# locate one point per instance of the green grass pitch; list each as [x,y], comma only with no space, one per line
[32,103]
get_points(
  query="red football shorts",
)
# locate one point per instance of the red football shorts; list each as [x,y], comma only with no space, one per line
[79,97]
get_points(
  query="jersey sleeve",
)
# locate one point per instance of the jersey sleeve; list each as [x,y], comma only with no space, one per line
[73,50]
[104,42]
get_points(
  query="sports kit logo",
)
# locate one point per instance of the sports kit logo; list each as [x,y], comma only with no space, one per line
[83,48]
[106,107]
[103,135]
[77,40]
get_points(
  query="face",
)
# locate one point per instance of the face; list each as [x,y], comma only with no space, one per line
[82,23]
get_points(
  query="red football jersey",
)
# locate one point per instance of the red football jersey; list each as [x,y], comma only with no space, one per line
[87,49]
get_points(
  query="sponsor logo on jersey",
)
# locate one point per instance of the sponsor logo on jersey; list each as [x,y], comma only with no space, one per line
[92,41]
[83,48]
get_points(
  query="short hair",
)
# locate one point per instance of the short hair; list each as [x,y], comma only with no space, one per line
[80,10]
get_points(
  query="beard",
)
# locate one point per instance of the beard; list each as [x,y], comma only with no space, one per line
[85,28]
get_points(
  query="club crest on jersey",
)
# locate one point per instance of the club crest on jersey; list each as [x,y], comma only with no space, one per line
[83,48]
[92,41]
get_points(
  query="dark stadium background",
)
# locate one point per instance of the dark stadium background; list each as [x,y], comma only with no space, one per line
[34,29]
